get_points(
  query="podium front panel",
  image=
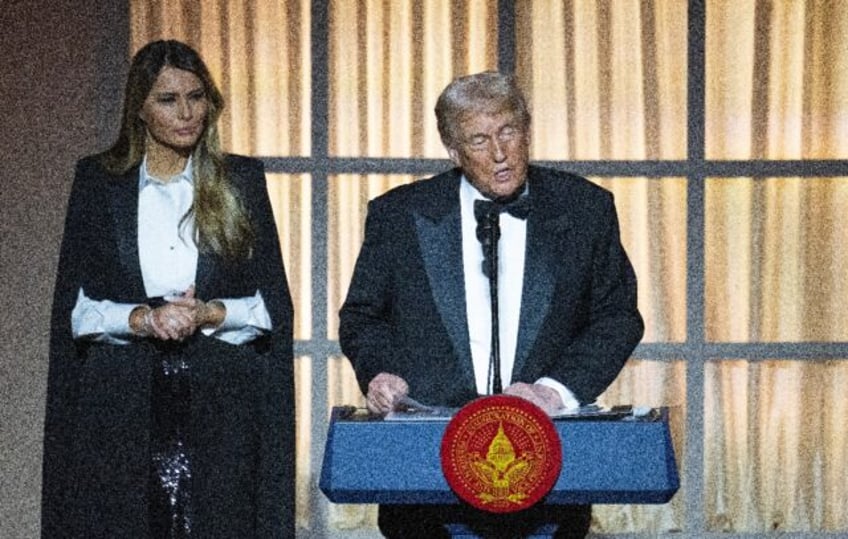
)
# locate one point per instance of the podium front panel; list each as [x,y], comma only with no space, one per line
[369,460]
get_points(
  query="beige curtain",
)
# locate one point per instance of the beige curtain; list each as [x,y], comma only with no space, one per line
[776,446]
[775,259]
[390,60]
[775,431]
[606,80]
[776,79]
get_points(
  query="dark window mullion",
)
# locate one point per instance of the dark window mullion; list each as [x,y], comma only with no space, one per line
[693,474]
[506,36]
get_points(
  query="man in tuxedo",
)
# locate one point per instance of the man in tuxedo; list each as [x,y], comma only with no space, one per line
[418,321]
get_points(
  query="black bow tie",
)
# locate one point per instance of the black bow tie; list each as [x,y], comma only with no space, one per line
[487,213]
[518,208]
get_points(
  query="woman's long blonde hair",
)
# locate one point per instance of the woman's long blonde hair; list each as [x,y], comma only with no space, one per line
[222,224]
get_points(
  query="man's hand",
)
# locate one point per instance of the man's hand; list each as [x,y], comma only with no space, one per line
[541,395]
[384,391]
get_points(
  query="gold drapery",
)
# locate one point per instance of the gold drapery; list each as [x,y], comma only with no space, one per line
[774,431]
[388,63]
[776,446]
[606,81]
[775,259]
[776,79]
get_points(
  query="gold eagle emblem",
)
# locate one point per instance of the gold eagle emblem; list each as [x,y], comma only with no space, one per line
[501,471]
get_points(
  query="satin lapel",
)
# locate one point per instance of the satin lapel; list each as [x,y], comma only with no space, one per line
[124,207]
[204,273]
[440,239]
[546,234]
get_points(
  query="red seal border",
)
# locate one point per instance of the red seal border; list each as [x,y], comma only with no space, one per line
[533,449]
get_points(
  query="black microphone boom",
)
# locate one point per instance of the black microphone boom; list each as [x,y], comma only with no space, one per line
[489,233]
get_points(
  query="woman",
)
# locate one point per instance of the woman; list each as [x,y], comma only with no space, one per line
[170,392]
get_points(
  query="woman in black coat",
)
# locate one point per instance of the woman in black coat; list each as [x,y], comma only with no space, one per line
[170,406]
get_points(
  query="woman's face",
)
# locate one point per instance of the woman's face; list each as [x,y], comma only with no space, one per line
[175,109]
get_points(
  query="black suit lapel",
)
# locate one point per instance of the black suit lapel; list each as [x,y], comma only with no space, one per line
[204,273]
[439,227]
[123,198]
[548,235]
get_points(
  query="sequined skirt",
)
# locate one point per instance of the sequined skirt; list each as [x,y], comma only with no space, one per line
[169,485]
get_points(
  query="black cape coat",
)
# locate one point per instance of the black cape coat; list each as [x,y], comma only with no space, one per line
[98,415]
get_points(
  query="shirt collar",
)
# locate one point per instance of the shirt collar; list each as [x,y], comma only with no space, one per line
[144,177]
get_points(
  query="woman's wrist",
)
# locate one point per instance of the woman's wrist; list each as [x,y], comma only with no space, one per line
[212,314]
[139,321]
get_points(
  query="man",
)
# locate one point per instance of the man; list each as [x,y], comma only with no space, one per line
[417,319]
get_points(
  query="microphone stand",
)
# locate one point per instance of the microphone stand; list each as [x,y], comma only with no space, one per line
[494,231]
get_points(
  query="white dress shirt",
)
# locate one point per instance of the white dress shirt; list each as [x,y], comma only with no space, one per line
[168,257]
[511,255]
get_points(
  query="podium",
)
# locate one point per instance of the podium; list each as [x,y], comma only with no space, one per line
[605,460]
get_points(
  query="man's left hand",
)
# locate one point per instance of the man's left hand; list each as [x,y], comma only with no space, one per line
[541,395]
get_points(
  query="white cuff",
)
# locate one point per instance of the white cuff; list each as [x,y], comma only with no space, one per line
[569,401]
[101,321]
[244,320]
[116,318]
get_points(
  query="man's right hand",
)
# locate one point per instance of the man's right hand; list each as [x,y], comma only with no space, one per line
[384,392]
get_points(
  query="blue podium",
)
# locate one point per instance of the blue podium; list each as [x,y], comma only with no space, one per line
[605,459]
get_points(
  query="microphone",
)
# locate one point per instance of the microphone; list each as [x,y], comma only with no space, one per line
[488,233]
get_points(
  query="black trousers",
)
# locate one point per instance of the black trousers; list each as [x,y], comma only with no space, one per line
[428,521]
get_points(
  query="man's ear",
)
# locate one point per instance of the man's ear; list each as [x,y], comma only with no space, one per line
[454,156]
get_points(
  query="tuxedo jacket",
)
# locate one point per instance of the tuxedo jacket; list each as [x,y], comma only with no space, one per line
[98,416]
[405,312]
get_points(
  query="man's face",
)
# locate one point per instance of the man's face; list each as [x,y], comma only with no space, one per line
[493,151]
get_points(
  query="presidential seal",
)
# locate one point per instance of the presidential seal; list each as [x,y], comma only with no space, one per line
[501,454]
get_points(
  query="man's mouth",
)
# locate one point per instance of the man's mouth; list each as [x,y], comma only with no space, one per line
[503,174]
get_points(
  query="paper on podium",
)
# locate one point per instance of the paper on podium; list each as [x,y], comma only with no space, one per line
[595,412]
[409,409]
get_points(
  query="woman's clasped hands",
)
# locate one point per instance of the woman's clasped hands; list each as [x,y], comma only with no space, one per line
[177,319]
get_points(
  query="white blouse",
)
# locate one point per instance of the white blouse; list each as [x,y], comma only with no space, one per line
[168,257]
